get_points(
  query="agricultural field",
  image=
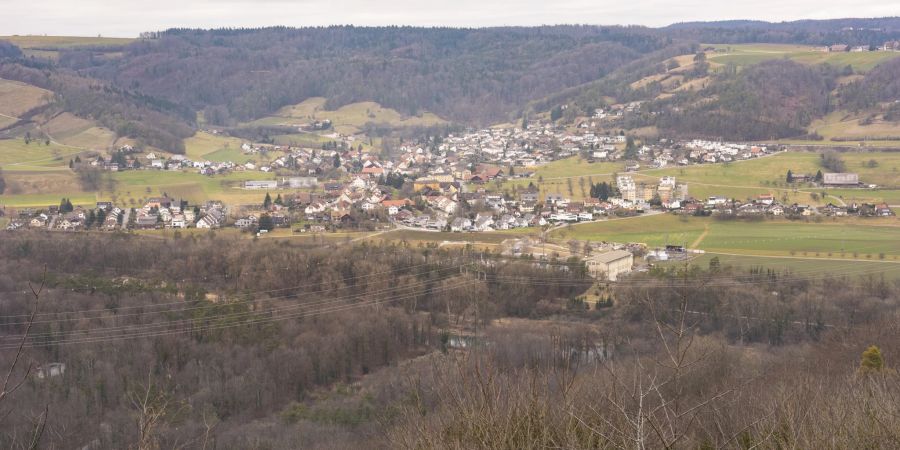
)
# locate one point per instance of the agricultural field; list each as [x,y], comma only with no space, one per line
[876,239]
[198,146]
[68,129]
[576,167]
[800,267]
[750,54]
[62,182]
[740,180]
[556,176]
[44,200]
[36,41]
[744,179]
[134,187]
[16,155]
[312,140]
[49,46]
[852,129]
[18,98]
[348,119]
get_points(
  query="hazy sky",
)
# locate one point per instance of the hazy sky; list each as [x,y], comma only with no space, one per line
[129,17]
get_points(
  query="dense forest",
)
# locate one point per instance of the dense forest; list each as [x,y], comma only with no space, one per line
[199,342]
[770,100]
[471,75]
[881,85]
[852,31]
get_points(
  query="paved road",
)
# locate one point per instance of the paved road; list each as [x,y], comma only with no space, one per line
[125,218]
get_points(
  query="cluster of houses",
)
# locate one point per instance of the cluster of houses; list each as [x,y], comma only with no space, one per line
[768,205]
[300,160]
[105,217]
[486,211]
[164,212]
[888,46]
[615,111]
[533,145]
[157,212]
[699,151]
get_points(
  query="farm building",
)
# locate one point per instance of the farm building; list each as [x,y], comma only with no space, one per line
[610,265]
[840,179]
[265,184]
[301,182]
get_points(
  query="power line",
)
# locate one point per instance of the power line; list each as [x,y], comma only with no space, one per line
[238,303]
[338,308]
[255,292]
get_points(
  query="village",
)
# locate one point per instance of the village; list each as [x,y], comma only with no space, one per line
[437,184]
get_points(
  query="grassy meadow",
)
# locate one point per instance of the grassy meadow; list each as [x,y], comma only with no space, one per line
[199,146]
[16,155]
[750,54]
[17,98]
[48,47]
[134,187]
[745,179]
[741,180]
[806,267]
[68,129]
[348,119]
[555,177]
[864,129]
[829,238]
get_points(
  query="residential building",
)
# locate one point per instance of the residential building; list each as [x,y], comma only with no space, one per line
[610,265]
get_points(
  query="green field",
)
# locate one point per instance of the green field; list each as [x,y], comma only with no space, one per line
[202,144]
[301,140]
[750,54]
[16,155]
[837,239]
[43,200]
[813,268]
[35,41]
[857,129]
[745,179]
[555,177]
[138,185]
[49,46]
[740,180]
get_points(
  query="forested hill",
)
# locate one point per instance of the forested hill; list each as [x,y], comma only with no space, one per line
[880,85]
[773,99]
[851,31]
[467,75]
[152,88]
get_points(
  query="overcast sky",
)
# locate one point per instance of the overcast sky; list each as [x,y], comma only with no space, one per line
[129,17]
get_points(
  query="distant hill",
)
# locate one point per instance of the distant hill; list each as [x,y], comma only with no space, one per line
[153,89]
[811,32]
[882,23]
[466,75]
